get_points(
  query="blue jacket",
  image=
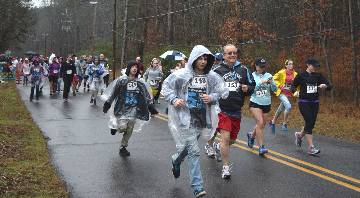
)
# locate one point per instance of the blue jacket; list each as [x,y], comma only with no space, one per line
[262,91]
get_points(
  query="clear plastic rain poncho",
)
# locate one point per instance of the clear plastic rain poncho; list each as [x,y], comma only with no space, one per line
[176,86]
[129,106]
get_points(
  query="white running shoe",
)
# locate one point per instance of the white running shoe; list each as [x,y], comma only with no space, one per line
[226,172]
[216,147]
[209,150]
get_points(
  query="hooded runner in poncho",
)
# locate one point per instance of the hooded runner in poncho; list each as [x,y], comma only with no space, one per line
[131,97]
[192,93]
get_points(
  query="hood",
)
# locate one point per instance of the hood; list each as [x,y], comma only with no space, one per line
[198,51]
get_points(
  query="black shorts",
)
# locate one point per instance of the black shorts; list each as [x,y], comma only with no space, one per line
[53,78]
[264,108]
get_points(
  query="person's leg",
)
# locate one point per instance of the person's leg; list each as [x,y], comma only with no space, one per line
[67,84]
[128,133]
[224,146]
[37,91]
[32,93]
[258,132]
[195,176]
[313,109]
[279,110]
[287,106]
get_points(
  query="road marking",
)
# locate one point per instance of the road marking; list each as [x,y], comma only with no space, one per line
[330,179]
[308,164]
[347,185]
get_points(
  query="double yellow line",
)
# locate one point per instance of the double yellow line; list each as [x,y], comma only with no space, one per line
[323,173]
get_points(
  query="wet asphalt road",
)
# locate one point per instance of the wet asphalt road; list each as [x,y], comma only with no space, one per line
[86,157]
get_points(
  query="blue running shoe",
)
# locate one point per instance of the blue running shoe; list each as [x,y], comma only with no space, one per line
[175,169]
[262,150]
[284,127]
[251,140]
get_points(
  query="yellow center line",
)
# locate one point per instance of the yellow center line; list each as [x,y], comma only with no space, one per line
[309,164]
[347,185]
[303,169]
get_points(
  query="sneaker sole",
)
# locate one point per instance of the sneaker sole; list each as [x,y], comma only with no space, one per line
[226,177]
[314,154]
[201,194]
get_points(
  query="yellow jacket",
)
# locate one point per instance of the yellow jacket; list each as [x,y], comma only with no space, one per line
[280,78]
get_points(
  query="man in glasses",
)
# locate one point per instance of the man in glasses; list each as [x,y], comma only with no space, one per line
[238,81]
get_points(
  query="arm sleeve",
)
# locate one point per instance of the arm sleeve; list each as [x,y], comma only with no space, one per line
[168,88]
[323,80]
[296,83]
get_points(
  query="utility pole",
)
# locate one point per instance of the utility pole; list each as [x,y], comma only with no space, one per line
[124,33]
[353,57]
[114,42]
[94,25]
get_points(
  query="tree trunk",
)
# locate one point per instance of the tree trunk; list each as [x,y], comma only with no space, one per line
[170,23]
[124,33]
[354,70]
[114,35]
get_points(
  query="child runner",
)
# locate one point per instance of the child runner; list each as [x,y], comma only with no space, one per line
[131,98]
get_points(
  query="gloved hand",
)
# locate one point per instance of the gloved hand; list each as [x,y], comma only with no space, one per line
[106,107]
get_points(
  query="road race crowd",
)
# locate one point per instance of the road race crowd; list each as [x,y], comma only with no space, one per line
[205,94]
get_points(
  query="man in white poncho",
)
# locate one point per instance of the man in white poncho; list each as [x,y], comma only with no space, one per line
[192,93]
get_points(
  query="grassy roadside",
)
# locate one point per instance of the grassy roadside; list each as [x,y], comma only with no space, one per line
[335,120]
[25,167]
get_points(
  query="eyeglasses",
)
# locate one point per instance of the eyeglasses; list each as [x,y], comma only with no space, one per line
[231,53]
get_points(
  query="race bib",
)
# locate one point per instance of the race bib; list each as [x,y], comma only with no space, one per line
[69,72]
[311,89]
[56,71]
[261,93]
[287,86]
[199,82]
[232,86]
[37,70]
[154,82]
[132,86]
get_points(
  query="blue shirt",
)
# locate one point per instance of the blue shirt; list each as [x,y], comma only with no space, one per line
[262,91]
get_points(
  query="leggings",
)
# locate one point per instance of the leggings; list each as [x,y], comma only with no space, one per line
[285,105]
[309,111]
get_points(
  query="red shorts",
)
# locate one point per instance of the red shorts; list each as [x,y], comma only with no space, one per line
[230,124]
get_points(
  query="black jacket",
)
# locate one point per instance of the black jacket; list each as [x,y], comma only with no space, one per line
[67,71]
[237,73]
[309,85]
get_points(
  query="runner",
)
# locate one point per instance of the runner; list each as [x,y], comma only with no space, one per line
[309,82]
[191,93]
[36,72]
[54,71]
[68,71]
[104,63]
[131,98]
[95,72]
[26,71]
[283,80]
[260,103]
[153,76]
[238,81]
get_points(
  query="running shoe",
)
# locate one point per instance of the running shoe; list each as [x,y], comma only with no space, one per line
[225,174]
[251,140]
[298,139]
[272,127]
[262,150]
[91,100]
[200,193]
[124,152]
[313,151]
[284,127]
[209,150]
[175,169]
[113,131]
[216,146]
